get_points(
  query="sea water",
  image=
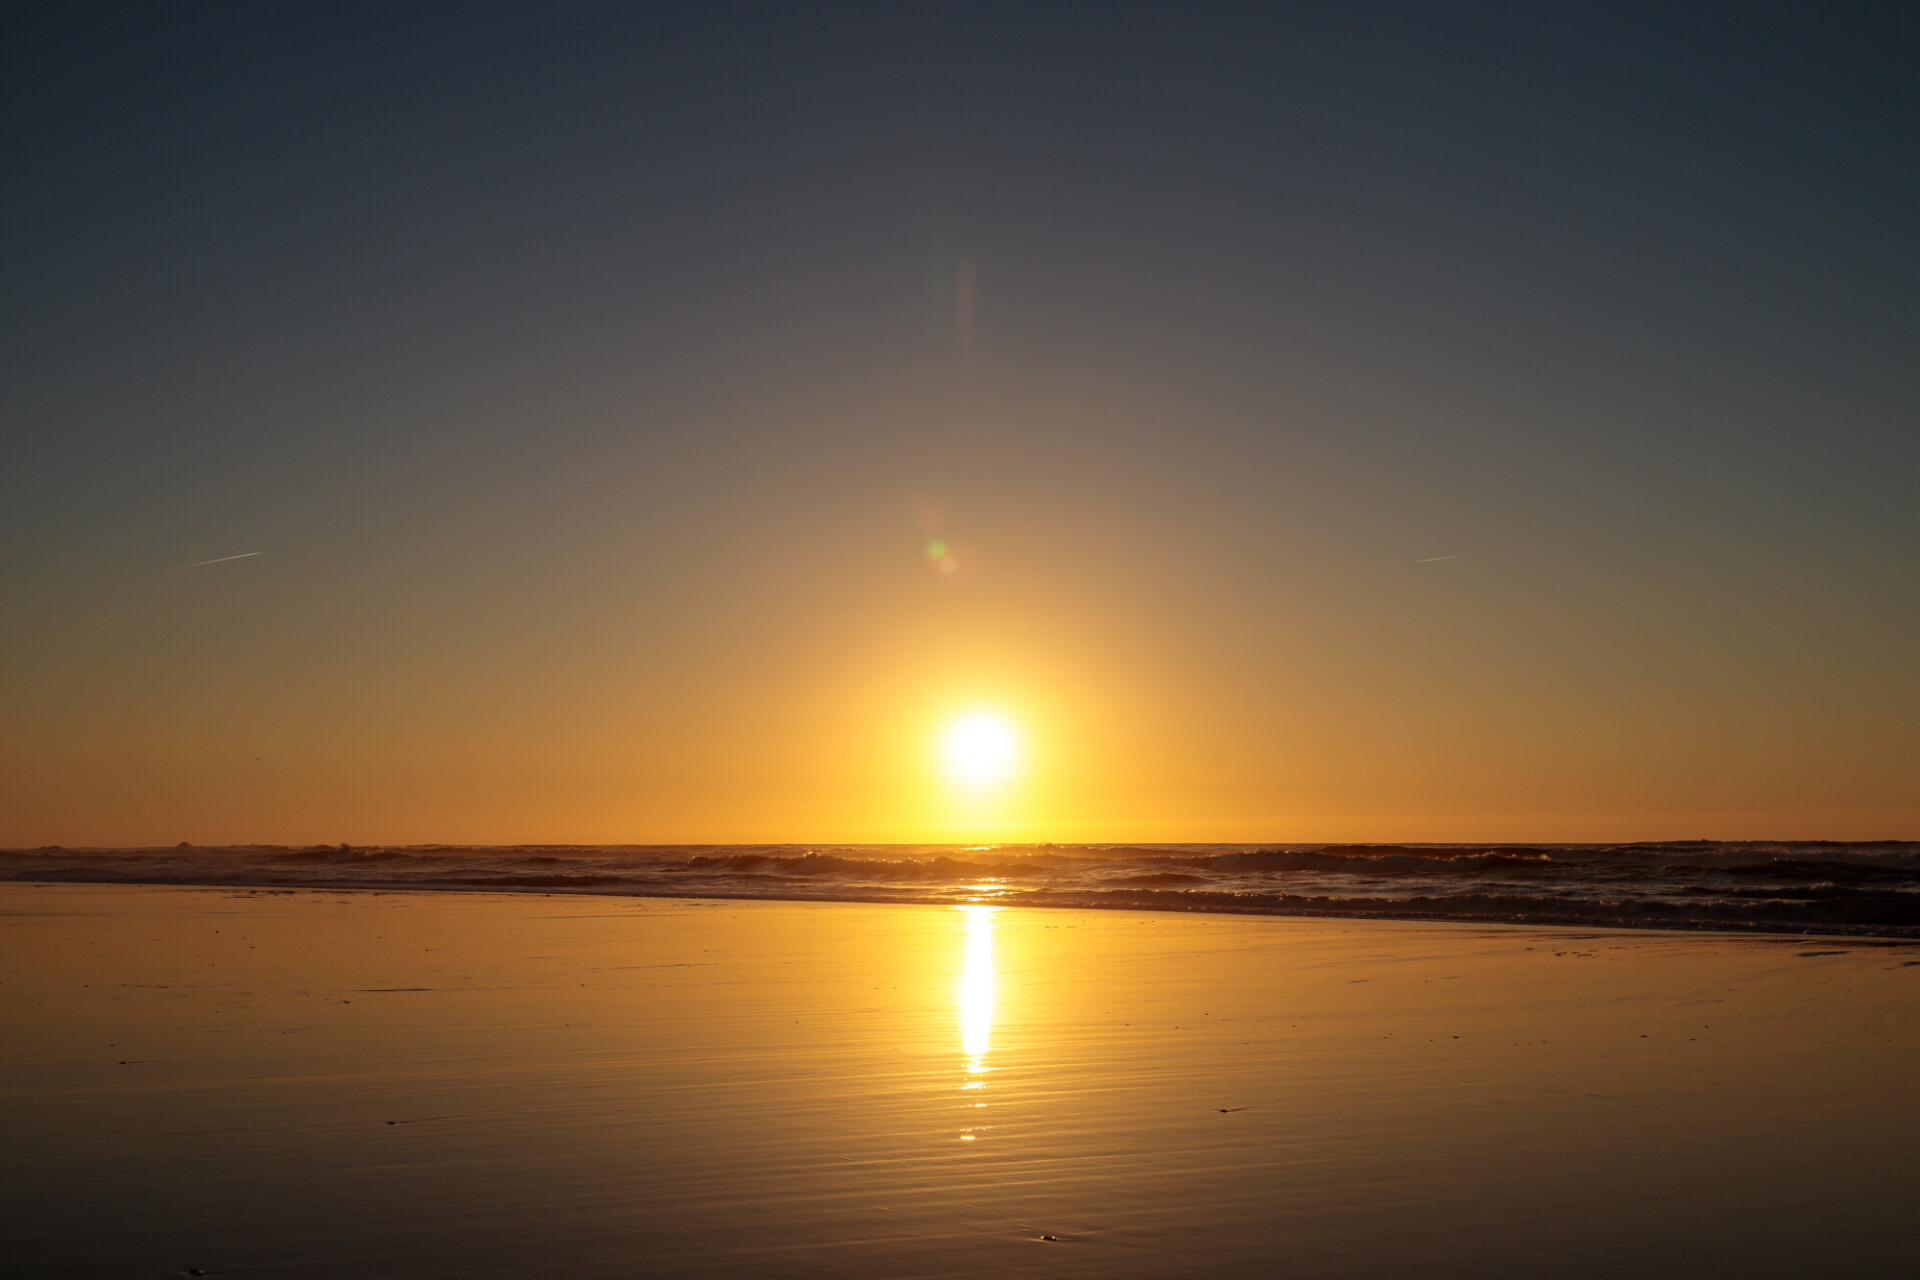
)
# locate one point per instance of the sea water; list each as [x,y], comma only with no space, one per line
[1783,886]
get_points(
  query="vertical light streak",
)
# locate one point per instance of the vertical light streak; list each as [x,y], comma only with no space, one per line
[976,991]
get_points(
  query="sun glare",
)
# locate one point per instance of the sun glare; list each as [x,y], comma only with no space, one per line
[980,748]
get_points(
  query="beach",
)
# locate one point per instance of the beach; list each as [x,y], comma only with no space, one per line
[326,1082]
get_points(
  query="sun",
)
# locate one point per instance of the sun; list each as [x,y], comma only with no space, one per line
[979,748]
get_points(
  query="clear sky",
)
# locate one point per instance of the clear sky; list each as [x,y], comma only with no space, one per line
[1344,422]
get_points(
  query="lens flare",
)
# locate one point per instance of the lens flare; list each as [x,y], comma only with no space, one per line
[943,555]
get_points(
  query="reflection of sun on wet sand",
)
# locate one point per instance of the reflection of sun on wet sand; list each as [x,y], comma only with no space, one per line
[316,1084]
[976,1005]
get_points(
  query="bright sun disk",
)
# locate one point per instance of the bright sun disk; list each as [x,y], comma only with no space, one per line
[980,748]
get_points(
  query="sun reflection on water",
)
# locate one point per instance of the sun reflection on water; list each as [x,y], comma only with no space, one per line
[976,1002]
[976,989]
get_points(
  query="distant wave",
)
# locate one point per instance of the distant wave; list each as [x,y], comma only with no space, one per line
[1805,887]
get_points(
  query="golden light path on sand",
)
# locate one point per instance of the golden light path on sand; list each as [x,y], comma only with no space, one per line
[976,1002]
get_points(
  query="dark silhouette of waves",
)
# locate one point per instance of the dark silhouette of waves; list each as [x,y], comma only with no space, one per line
[1807,886]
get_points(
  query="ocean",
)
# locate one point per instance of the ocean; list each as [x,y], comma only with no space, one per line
[1828,887]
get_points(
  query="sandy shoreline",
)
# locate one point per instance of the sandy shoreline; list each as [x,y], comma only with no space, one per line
[296,1083]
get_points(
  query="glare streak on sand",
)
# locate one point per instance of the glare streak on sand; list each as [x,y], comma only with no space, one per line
[976,988]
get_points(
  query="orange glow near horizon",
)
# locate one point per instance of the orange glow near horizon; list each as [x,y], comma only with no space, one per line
[894,706]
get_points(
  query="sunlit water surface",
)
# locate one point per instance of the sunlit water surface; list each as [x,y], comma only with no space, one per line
[325,1084]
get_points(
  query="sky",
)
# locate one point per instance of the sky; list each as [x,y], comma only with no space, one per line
[610,423]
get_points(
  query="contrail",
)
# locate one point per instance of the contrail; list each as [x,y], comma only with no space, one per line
[216,560]
[1431,559]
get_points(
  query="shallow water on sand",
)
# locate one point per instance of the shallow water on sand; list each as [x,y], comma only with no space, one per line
[319,1084]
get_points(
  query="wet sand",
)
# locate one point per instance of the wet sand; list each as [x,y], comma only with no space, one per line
[434,1084]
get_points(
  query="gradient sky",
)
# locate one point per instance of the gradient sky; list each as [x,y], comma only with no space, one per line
[1347,422]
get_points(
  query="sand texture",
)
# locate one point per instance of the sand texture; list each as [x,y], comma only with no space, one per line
[309,1084]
